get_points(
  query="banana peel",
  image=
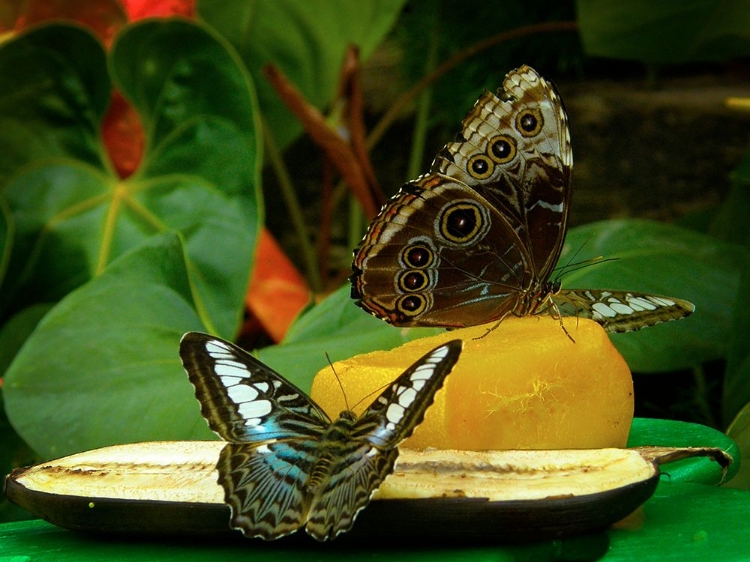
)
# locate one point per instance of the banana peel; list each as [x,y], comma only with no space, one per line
[170,488]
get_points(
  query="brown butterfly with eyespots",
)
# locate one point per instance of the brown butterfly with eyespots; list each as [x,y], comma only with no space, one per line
[478,237]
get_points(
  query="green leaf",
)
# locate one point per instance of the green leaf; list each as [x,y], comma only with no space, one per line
[730,222]
[103,367]
[669,433]
[7,233]
[16,330]
[668,260]
[306,40]
[671,31]
[341,329]
[686,522]
[199,174]
[739,430]
[54,90]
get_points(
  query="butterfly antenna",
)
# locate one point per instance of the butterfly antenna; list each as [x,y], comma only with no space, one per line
[572,266]
[376,391]
[338,380]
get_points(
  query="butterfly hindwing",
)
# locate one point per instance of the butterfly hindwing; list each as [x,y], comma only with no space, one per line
[242,399]
[348,491]
[436,280]
[265,486]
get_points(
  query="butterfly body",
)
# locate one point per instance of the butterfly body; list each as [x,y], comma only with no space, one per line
[479,236]
[286,464]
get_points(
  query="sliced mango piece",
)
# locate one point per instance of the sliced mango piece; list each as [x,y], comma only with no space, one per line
[522,385]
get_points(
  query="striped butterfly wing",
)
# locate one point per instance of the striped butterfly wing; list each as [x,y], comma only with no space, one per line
[286,464]
[621,311]
[356,471]
[265,486]
[243,400]
[273,429]
[368,455]
[401,407]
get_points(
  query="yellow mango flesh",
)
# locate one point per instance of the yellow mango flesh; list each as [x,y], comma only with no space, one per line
[523,385]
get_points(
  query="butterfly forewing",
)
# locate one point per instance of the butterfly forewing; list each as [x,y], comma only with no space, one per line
[621,311]
[242,399]
[394,415]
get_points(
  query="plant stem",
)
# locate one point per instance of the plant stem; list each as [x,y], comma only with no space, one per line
[295,212]
[423,104]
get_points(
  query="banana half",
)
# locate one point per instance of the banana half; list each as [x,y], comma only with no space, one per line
[170,488]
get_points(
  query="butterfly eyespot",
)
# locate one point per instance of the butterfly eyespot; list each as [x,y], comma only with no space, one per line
[481,167]
[462,222]
[412,305]
[529,122]
[417,256]
[412,281]
[502,149]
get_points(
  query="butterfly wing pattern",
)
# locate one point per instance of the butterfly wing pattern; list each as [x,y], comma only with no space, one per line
[286,464]
[479,236]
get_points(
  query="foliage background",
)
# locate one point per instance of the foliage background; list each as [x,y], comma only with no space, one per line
[110,253]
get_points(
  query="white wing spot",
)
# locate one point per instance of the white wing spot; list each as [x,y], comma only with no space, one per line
[439,353]
[603,310]
[620,308]
[394,413]
[407,397]
[230,380]
[255,409]
[240,394]
[640,303]
[661,301]
[215,348]
[418,384]
[423,372]
[224,370]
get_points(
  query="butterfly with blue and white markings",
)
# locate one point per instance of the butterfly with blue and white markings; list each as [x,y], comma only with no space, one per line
[286,464]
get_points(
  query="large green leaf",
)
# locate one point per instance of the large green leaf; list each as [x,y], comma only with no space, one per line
[739,430]
[199,174]
[54,90]
[7,233]
[670,31]
[731,223]
[102,367]
[307,40]
[337,327]
[668,260]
